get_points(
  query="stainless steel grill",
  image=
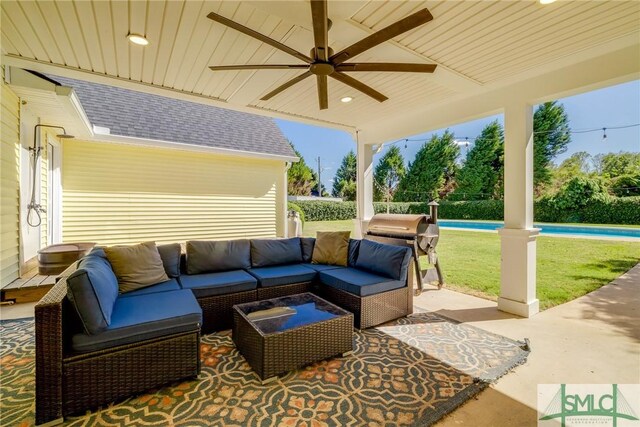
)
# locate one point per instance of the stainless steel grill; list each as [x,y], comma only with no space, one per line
[419,232]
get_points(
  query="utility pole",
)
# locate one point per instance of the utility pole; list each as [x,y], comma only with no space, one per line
[319,178]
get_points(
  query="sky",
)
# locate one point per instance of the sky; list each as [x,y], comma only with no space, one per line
[609,107]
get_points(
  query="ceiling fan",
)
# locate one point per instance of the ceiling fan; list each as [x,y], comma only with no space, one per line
[323,63]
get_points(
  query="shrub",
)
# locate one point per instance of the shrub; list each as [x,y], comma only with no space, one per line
[398,207]
[598,210]
[617,210]
[626,185]
[315,210]
[578,192]
[293,207]
[472,209]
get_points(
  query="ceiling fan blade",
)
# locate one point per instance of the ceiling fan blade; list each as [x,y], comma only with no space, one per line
[402,26]
[257,67]
[323,92]
[256,35]
[320,28]
[386,66]
[287,85]
[350,81]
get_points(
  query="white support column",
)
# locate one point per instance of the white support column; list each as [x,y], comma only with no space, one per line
[518,237]
[364,182]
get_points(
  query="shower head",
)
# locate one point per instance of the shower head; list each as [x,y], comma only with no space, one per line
[63,135]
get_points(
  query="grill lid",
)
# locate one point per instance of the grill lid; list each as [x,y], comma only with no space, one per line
[398,224]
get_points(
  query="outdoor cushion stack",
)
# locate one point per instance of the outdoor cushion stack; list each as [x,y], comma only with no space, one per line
[111,317]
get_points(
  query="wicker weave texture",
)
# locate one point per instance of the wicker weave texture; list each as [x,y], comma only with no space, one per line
[110,375]
[283,290]
[49,351]
[371,310]
[217,311]
[274,354]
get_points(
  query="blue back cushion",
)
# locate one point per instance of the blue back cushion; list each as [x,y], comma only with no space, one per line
[354,245]
[387,260]
[212,256]
[170,255]
[267,252]
[307,244]
[93,290]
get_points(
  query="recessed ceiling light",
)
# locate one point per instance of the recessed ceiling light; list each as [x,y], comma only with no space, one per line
[546,1]
[346,99]
[138,39]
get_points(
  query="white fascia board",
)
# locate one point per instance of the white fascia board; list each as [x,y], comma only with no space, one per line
[103,135]
[72,104]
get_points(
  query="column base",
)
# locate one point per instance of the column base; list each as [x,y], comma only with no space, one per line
[519,308]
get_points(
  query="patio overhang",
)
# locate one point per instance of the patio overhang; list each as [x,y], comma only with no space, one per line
[493,57]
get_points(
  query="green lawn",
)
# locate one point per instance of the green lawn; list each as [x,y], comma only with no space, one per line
[567,267]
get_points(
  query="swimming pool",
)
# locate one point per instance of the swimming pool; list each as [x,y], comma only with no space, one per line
[568,230]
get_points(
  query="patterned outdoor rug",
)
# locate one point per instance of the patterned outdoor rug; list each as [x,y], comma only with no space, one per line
[411,372]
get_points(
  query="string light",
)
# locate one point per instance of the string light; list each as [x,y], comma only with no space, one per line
[471,139]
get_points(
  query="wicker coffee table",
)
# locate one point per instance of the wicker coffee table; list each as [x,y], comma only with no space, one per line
[281,334]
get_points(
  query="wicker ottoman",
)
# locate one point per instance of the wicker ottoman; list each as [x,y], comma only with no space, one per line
[281,334]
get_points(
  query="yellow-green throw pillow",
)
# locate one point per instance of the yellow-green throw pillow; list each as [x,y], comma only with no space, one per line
[136,266]
[332,247]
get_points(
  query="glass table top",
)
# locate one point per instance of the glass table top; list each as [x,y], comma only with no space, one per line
[284,313]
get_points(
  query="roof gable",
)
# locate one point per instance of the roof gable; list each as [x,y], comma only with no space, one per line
[135,114]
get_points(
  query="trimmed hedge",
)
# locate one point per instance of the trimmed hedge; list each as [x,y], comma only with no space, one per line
[327,211]
[614,210]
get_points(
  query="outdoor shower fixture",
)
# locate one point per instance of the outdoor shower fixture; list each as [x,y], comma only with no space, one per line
[33,206]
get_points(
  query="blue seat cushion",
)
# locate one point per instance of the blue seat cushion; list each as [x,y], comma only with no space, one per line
[321,267]
[386,260]
[224,282]
[358,282]
[169,285]
[93,290]
[282,275]
[268,252]
[144,317]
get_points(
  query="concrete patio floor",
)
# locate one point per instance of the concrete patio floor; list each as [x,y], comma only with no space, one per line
[593,339]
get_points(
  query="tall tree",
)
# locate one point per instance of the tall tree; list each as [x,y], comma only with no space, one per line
[430,175]
[578,164]
[612,165]
[300,178]
[479,177]
[387,175]
[344,182]
[551,137]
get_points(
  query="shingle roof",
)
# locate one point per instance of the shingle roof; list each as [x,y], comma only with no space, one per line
[142,115]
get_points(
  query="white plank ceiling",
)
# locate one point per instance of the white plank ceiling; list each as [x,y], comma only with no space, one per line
[475,43]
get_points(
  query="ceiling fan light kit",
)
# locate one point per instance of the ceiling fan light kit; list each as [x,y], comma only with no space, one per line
[323,63]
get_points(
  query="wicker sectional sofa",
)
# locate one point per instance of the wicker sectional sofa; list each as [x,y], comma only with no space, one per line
[153,335]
